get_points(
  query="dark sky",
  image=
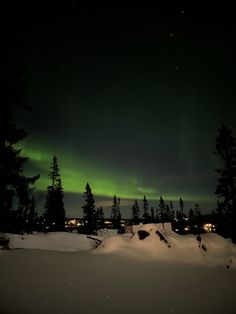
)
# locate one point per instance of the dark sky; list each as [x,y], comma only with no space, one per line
[128,99]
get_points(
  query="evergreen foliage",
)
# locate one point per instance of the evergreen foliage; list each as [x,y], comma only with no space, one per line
[90,215]
[162,209]
[181,205]
[115,213]
[226,182]
[100,218]
[135,212]
[54,206]
[15,187]
[152,215]
[146,216]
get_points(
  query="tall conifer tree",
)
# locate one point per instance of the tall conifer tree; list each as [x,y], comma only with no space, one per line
[54,206]
[226,182]
[115,213]
[90,215]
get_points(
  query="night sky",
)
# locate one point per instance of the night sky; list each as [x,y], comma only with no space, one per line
[129,100]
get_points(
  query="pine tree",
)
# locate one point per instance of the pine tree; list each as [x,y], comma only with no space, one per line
[115,213]
[167,213]
[146,216]
[15,187]
[181,205]
[54,206]
[172,212]
[226,188]
[158,215]
[100,217]
[191,220]
[90,217]
[152,215]
[162,208]
[135,212]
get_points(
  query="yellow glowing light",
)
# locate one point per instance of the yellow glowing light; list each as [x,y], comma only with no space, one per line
[208,227]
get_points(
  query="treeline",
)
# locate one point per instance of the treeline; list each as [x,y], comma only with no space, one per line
[17,201]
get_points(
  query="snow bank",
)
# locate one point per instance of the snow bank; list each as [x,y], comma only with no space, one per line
[150,242]
[210,249]
[53,241]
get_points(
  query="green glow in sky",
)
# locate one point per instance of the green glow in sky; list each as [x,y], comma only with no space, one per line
[75,173]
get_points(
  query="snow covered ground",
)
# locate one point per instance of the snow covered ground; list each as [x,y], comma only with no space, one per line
[61,273]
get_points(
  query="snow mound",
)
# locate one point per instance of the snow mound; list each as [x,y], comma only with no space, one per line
[150,242]
[54,241]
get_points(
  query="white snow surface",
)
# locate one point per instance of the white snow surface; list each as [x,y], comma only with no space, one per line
[53,241]
[180,248]
[61,273]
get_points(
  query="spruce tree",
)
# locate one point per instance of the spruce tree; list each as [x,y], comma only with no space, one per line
[162,208]
[135,212]
[146,216]
[15,187]
[226,187]
[172,212]
[181,205]
[152,215]
[167,213]
[54,205]
[100,217]
[90,216]
[115,213]
[191,220]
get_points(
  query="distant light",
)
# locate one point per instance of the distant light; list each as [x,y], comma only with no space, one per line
[208,227]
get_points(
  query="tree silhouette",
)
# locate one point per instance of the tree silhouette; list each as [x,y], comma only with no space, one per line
[146,216]
[15,187]
[90,216]
[162,209]
[115,213]
[181,205]
[152,218]
[100,217]
[54,206]
[226,187]
[135,212]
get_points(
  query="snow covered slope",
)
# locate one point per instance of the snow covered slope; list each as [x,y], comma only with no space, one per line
[53,241]
[210,248]
[163,273]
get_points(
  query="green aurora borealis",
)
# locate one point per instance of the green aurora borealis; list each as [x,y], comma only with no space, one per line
[76,172]
[128,101]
